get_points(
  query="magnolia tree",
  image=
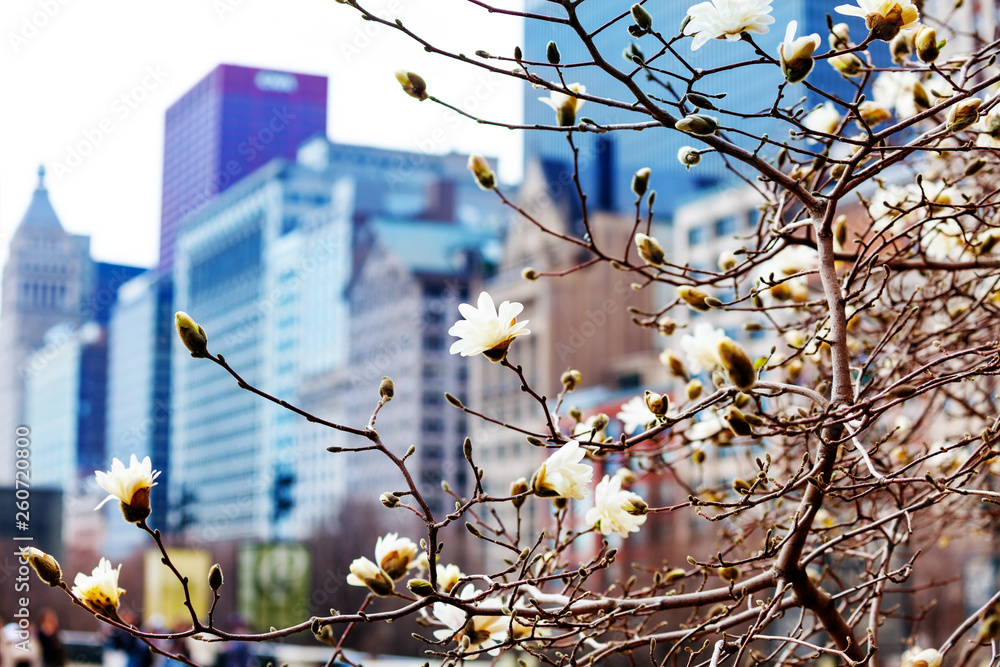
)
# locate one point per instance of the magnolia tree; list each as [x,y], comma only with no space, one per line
[873,277]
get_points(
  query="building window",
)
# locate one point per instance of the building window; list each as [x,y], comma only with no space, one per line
[725,227]
[697,235]
[433,342]
[431,425]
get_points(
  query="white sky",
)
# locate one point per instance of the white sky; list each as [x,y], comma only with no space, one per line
[65,66]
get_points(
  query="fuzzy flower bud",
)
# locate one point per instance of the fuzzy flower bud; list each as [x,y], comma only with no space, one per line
[964,114]
[45,566]
[642,17]
[480,168]
[688,156]
[901,47]
[848,64]
[571,379]
[674,363]
[693,297]
[386,389]
[650,249]
[367,574]
[517,487]
[926,44]
[873,113]
[737,364]
[840,36]
[796,55]
[698,124]
[215,577]
[658,404]
[727,261]
[192,335]
[413,85]
[693,389]
[552,53]
[737,422]
[640,181]
[420,587]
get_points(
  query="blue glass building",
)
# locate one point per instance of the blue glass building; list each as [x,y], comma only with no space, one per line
[229,124]
[609,160]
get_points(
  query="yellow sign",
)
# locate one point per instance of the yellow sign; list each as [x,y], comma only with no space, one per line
[164,594]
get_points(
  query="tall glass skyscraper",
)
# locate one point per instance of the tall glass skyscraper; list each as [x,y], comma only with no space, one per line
[233,121]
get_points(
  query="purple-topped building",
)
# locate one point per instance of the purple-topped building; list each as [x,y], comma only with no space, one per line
[233,121]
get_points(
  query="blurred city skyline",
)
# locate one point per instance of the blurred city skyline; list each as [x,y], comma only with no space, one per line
[100,81]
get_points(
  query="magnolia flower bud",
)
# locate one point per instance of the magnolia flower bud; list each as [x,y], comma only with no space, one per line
[796,55]
[413,85]
[386,389]
[642,17]
[694,297]
[635,506]
[689,156]
[964,114]
[698,456]
[989,629]
[366,573]
[517,487]
[674,364]
[632,52]
[698,124]
[674,575]
[215,577]
[693,389]
[600,421]
[741,486]
[650,249]
[640,181]
[389,500]
[420,587]
[840,36]
[529,273]
[45,566]
[901,47]
[192,335]
[658,404]
[575,414]
[737,364]
[552,53]
[480,168]
[627,476]
[987,241]
[873,113]
[729,573]
[737,422]
[727,261]
[571,379]
[885,27]
[848,64]
[926,44]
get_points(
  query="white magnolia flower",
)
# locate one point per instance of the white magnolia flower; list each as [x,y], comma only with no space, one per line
[129,485]
[487,329]
[566,106]
[897,89]
[702,348]
[796,54]
[395,554]
[635,414]
[885,18]
[607,514]
[708,427]
[367,574]
[448,576]
[563,475]
[824,119]
[483,632]
[928,657]
[944,241]
[100,590]
[727,19]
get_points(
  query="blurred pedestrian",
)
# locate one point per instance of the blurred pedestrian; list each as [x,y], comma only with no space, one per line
[50,639]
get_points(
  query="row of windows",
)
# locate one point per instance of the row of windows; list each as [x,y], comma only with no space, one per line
[723,228]
[42,295]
